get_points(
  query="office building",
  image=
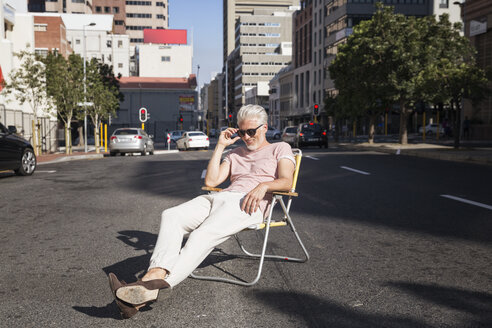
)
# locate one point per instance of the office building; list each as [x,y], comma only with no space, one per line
[263,47]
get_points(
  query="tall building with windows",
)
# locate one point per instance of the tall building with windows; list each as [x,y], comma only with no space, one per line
[234,8]
[142,15]
[131,17]
[263,47]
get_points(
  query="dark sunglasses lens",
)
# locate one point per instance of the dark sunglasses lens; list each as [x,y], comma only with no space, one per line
[251,132]
[240,133]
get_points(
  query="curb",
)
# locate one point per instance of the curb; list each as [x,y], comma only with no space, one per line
[465,158]
[72,158]
[95,156]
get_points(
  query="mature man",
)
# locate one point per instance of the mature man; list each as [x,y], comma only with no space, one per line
[254,170]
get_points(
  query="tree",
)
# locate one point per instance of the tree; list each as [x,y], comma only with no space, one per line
[103,92]
[28,85]
[64,86]
[451,74]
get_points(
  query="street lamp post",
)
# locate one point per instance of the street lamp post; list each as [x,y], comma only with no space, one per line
[85,91]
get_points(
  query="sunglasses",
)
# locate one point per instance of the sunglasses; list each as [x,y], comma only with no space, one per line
[249,132]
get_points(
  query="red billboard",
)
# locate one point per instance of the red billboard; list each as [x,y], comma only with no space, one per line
[165,36]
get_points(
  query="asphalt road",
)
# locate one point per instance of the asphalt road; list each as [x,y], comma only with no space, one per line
[387,249]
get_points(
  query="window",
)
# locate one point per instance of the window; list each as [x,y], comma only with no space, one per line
[137,28]
[138,15]
[120,65]
[444,4]
[77,41]
[160,4]
[166,58]
[139,3]
[120,44]
[40,27]
[41,52]
[116,10]
[78,1]
[161,17]
[109,43]
[136,40]
[107,9]
[119,22]
[98,9]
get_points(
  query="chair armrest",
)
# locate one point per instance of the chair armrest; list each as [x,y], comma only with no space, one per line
[211,188]
[285,193]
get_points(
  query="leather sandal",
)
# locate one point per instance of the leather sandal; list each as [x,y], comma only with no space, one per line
[126,310]
[141,292]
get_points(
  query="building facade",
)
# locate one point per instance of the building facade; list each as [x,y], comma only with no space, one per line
[263,47]
[17,34]
[164,99]
[50,35]
[141,15]
[161,60]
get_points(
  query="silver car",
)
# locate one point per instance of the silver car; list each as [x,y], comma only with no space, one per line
[289,134]
[131,140]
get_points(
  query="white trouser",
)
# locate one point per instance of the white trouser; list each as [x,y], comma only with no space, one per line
[209,220]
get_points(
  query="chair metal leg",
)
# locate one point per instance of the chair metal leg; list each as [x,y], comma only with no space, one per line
[263,254]
[286,258]
[260,265]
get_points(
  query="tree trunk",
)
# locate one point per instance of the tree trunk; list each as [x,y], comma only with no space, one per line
[96,138]
[403,124]
[457,124]
[372,128]
[80,129]
[67,140]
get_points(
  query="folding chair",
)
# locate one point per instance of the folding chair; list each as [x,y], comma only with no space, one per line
[286,220]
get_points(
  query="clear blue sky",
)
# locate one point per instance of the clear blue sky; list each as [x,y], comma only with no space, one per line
[203,20]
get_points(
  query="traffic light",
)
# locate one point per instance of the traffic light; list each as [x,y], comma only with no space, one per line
[143,115]
[230,117]
[316,110]
[180,118]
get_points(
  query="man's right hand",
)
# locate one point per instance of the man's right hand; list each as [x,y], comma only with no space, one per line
[225,138]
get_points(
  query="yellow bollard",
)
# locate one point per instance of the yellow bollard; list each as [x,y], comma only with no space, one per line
[101,134]
[143,126]
[105,138]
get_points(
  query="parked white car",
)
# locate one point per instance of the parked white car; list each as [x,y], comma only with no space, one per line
[432,129]
[193,139]
[289,134]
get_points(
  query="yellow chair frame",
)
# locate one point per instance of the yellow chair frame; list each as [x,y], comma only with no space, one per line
[278,198]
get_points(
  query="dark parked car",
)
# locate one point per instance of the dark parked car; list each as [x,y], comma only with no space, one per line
[16,153]
[311,134]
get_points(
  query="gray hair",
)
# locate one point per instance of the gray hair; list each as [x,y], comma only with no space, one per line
[251,112]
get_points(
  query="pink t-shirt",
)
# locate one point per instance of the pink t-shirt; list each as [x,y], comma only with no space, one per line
[252,167]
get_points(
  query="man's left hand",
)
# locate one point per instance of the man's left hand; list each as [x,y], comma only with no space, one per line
[251,201]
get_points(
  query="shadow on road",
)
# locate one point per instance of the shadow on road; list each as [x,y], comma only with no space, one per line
[319,312]
[477,304]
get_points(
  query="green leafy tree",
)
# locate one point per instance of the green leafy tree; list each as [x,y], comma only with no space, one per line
[451,73]
[103,92]
[27,84]
[64,86]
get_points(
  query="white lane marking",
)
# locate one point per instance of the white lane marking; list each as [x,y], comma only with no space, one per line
[52,171]
[471,202]
[354,170]
[204,172]
[398,151]
[311,157]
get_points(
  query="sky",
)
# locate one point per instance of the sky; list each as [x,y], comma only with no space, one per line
[203,20]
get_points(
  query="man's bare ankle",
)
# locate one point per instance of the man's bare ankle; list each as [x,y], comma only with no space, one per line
[155,273]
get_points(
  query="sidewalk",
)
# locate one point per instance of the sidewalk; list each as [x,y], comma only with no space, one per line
[476,155]
[79,154]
